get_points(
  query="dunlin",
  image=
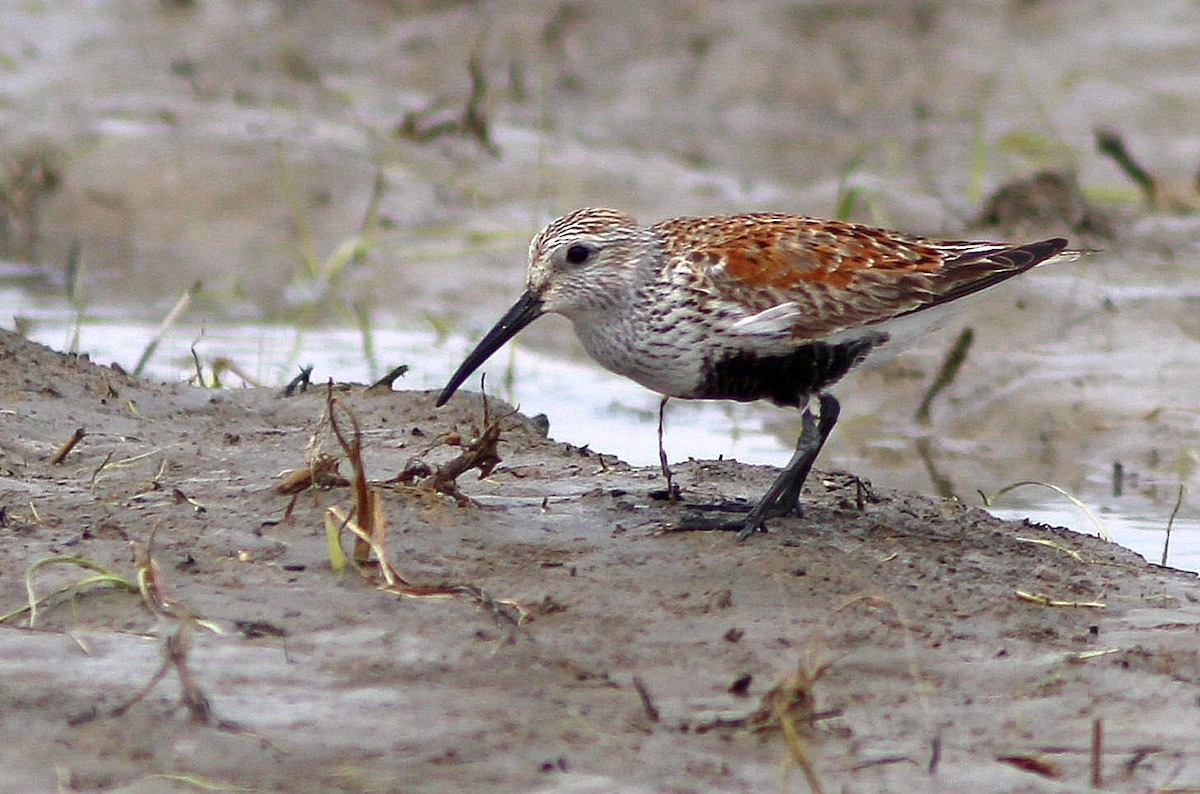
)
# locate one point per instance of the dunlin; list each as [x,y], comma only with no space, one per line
[759,306]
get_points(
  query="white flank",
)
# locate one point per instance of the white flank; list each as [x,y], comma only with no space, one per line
[769,322]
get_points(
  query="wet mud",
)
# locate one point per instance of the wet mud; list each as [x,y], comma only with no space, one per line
[382,165]
[896,642]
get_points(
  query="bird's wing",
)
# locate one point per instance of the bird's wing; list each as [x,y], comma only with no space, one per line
[812,278]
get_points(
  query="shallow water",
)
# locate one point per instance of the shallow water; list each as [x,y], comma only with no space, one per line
[238,144]
[588,406]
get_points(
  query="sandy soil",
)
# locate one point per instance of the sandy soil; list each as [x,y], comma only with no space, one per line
[895,622]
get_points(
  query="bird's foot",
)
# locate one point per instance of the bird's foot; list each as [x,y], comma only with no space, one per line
[672,493]
[788,504]
[707,518]
[783,497]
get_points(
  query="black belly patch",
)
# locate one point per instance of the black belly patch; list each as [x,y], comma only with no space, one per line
[786,379]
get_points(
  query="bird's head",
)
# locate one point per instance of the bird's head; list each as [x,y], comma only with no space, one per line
[580,264]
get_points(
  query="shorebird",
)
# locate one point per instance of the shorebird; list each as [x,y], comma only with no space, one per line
[758,306]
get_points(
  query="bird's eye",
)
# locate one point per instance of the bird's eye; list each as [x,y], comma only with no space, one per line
[578,254]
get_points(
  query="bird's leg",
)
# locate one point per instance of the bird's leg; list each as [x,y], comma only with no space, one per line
[672,489]
[789,500]
[783,496]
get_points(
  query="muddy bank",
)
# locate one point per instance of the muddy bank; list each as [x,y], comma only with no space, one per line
[244,144]
[931,635]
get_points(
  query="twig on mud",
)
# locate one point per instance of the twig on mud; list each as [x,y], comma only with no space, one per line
[790,706]
[942,485]
[103,465]
[320,469]
[1052,544]
[1110,143]
[223,364]
[366,521]
[648,706]
[988,499]
[432,123]
[192,697]
[481,453]
[1047,601]
[1083,656]
[673,490]
[387,578]
[156,484]
[384,384]
[152,588]
[321,472]
[881,761]
[1139,755]
[147,583]
[300,383]
[366,511]
[1171,523]
[103,575]
[198,378]
[61,453]
[140,695]
[149,579]
[183,498]
[178,645]
[475,121]
[1032,763]
[168,321]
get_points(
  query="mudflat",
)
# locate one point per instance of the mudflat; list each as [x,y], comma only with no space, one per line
[568,640]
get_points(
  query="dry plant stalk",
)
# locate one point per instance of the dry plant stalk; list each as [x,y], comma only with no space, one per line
[366,521]
[192,697]
[61,453]
[102,575]
[384,575]
[366,512]
[321,472]
[432,123]
[790,706]
[384,385]
[1044,600]
[989,499]
[149,585]
[175,651]
[481,453]
[1032,763]
[651,710]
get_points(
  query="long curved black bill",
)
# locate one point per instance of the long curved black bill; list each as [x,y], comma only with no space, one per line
[527,309]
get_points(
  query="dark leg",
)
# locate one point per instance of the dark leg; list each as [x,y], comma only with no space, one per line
[672,490]
[783,496]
